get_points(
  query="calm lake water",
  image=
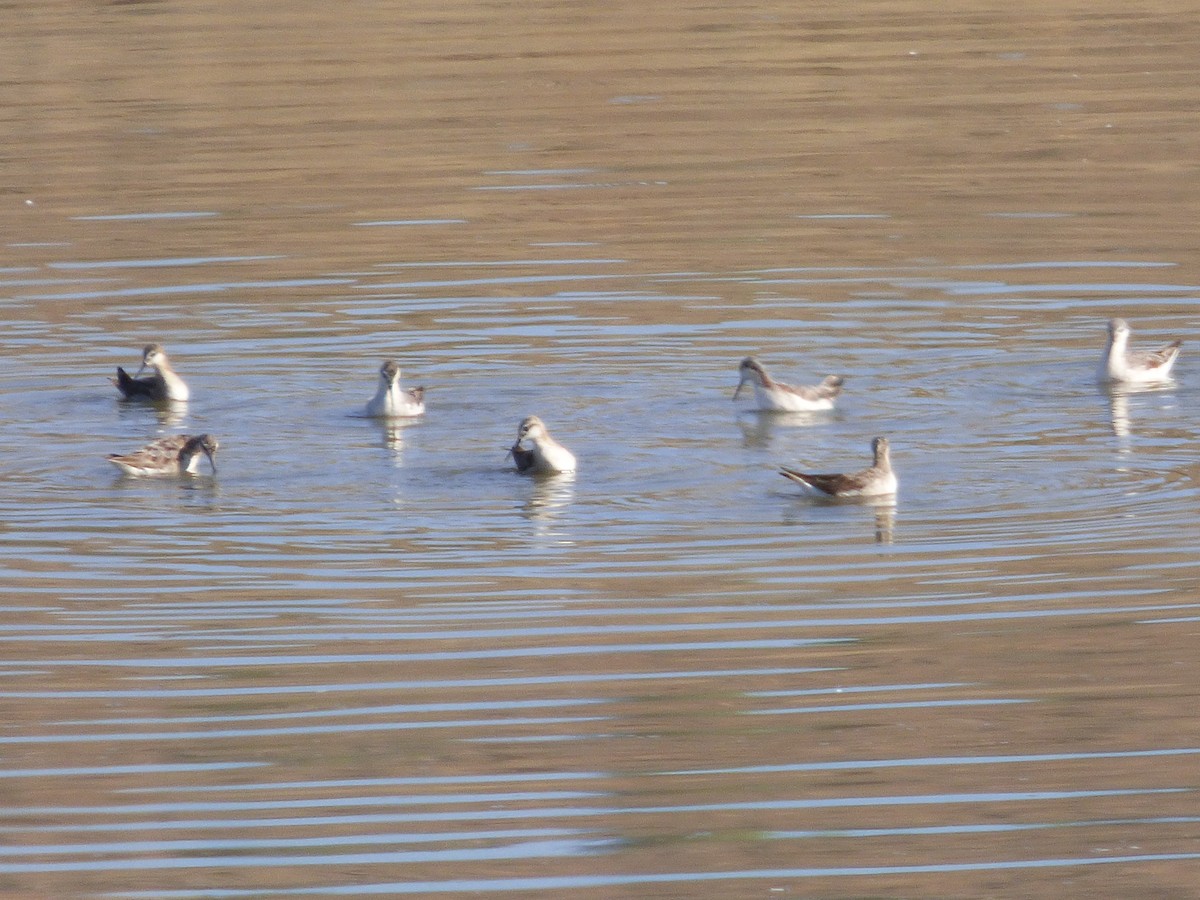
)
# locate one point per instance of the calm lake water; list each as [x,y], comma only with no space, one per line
[370,658]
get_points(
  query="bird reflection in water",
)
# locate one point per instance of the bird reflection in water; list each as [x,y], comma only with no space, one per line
[885,520]
[391,432]
[548,498]
[1121,405]
[758,428]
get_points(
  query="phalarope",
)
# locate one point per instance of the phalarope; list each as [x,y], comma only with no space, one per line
[874,481]
[164,384]
[390,400]
[775,396]
[1122,365]
[546,457]
[175,455]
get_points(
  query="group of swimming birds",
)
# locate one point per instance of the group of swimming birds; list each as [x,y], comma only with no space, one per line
[537,453]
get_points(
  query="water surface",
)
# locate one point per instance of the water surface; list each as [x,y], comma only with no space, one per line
[369,658]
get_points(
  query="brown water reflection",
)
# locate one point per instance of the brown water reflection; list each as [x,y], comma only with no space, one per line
[370,659]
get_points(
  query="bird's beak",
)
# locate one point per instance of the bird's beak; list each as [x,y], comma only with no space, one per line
[212,462]
[737,390]
[140,370]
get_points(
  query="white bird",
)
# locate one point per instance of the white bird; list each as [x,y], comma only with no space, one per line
[1122,365]
[546,456]
[874,481]
[176,455]
[775,396]
[163,384]
[390,400]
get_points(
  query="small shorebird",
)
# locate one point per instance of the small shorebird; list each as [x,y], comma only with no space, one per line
[546,457]
[875,481]
[775,396]
[164,384]
[1121,365]
[176,455]
[390,400]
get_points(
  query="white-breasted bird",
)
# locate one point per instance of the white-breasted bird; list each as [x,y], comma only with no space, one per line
[545,455]
[775,396]
[1123,366]
[876,480]
[392,401]
[163,383]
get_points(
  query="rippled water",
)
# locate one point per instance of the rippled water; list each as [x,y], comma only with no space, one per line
[369,658]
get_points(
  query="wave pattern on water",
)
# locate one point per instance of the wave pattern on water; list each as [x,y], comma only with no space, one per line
[377,649]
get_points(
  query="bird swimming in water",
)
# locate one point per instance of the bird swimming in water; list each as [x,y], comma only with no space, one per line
[775,396]
[1121,365]
[546,456]
[176,455]
[392,401]
[163,384]
[874,481]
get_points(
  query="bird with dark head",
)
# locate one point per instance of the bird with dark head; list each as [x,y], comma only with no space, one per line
[176,455]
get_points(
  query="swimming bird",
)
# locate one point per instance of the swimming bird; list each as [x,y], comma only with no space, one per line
[1122,365]
[875,481]
[775,396]
[392,401]
[546,457]
[175,455]
[164,384]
